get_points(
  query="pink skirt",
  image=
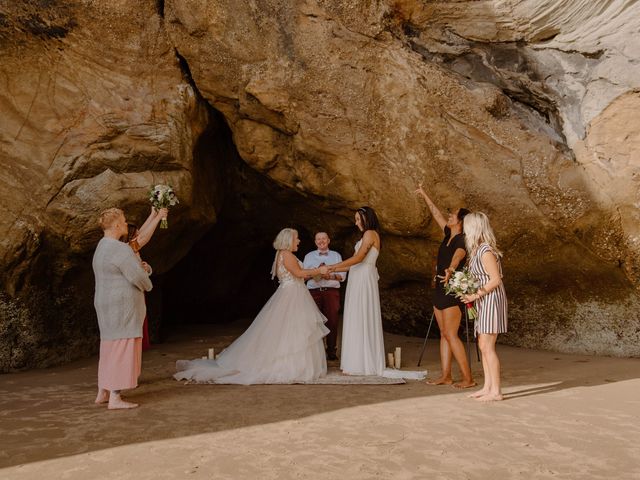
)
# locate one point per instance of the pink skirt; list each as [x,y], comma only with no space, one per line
[120,363]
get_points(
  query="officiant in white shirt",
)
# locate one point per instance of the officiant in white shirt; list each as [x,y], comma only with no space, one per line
[325,289]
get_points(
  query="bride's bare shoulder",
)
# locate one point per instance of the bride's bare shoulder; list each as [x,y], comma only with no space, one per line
[288,257]
[371,237]
[286,254]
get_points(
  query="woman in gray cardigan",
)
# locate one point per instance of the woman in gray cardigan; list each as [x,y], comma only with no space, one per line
[121,282]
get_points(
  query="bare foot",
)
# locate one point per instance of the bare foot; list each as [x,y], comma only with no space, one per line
[440,381]
[478,394]
[103,396]
[118,403]
[490,397]
[465,384]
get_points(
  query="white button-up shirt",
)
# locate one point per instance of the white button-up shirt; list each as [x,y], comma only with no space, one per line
[314,259]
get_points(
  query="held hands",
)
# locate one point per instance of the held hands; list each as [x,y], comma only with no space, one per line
[323,270]
[324,276]
[147,267]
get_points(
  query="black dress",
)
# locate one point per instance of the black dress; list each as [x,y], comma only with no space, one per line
[445,253]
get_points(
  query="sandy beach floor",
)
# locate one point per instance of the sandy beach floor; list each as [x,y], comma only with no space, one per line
[564,417]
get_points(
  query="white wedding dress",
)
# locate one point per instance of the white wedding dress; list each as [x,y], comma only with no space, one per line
[284,344]
[362,351]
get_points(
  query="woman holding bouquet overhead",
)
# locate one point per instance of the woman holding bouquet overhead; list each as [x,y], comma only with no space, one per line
[138,238]
[490,299]
[446,307]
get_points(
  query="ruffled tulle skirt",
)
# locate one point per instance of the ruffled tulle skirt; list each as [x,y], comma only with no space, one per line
[284,344]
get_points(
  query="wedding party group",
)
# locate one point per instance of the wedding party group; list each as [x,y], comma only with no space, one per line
[297,330]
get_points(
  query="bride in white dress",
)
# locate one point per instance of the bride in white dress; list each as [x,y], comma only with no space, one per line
[362,350]
[284,344]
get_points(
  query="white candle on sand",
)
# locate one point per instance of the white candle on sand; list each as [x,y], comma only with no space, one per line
[390,360]
[397,358]
[204,358]
[212,354]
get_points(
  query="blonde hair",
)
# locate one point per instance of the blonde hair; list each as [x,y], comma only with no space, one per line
[477,230]
[284,239]
[108,217]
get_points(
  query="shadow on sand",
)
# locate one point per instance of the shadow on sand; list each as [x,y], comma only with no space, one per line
[47,414]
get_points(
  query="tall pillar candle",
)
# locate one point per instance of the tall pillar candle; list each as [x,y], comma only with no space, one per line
[390,363]
[397,358]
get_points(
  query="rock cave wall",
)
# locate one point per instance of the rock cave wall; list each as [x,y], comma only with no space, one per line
[271,113]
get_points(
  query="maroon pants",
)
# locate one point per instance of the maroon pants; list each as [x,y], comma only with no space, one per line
[328,301]
[146,342]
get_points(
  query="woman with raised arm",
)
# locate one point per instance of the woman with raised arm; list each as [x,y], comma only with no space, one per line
[490,300]
[138,238]
[447,308]
[284,344]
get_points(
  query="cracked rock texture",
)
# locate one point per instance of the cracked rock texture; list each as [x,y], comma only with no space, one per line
[95,109]
[523,109]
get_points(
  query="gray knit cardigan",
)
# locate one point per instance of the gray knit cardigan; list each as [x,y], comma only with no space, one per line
[120,285]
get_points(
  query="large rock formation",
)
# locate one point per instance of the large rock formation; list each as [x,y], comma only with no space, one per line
[95,110]
[575,63]
[522,109]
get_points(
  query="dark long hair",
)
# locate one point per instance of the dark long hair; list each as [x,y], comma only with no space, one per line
[463,212]
[132,232]
[368,218]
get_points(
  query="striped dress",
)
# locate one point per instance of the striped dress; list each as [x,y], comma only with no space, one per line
[492,307]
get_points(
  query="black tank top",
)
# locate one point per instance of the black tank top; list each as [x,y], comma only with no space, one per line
[445,253]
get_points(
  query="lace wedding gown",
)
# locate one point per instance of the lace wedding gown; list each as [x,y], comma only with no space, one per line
[284,344]
[362,351]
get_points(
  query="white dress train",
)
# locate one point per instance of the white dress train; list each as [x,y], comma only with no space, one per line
[362,351]
[283,345]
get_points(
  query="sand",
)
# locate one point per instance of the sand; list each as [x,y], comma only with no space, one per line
[564,416]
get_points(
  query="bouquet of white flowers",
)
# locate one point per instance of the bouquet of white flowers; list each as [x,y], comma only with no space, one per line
[461,283]
[163,196]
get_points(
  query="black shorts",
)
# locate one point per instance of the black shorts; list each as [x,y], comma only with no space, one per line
[441,300]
